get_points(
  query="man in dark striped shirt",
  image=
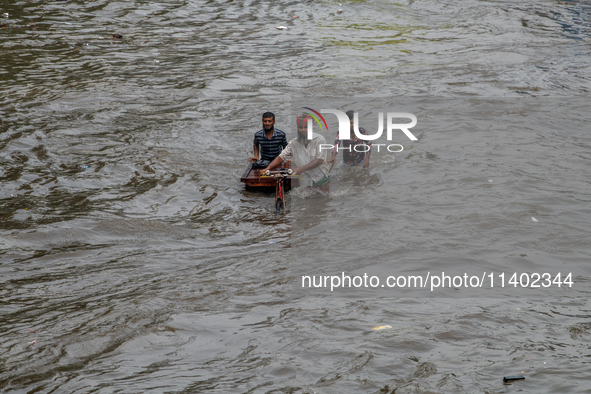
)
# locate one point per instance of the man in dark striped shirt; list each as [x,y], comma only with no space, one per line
[269,142]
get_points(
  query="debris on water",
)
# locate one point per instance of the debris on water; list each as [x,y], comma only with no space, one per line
[31,330]
[281,28]
[339,11]
[32,342]
[378,328]
[295,16]
[510,378]
[85,167]
[117,36]
[6,15]
[13,195]
[534,219]
[271,242]
[156,61]
[490,180]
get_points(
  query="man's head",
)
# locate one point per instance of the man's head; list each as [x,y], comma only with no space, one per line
[351,116]
[268,121]
[303,128]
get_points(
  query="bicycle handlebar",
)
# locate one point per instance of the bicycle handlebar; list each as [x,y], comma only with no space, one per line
[282,171]
[279,174]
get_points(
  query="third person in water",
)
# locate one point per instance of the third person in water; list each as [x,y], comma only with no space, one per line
[351,155]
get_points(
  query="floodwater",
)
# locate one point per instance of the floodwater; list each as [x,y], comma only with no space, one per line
[133,260]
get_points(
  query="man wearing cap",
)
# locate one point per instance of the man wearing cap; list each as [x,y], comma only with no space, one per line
[309,160]
[268,141]
[352,156]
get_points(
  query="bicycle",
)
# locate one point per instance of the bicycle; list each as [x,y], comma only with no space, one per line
[280,176]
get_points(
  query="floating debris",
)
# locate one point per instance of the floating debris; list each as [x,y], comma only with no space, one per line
[510,378]
[378,328]
[6,15]
[281,28]
[490,180]
[117,36]
[32,342]
[339,11]
[534,219]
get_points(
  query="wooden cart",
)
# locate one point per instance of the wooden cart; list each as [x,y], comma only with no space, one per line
[253,180]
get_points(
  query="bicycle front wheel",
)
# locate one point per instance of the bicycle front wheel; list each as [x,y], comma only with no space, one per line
[278,206]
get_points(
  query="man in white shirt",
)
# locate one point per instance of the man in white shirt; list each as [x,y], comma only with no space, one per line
[309,160]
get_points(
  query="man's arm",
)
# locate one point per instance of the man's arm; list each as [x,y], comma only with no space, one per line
[332,158]
[368,153]
[313,164]
[256,148]
[256,154]
[366,160]
[335,150]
